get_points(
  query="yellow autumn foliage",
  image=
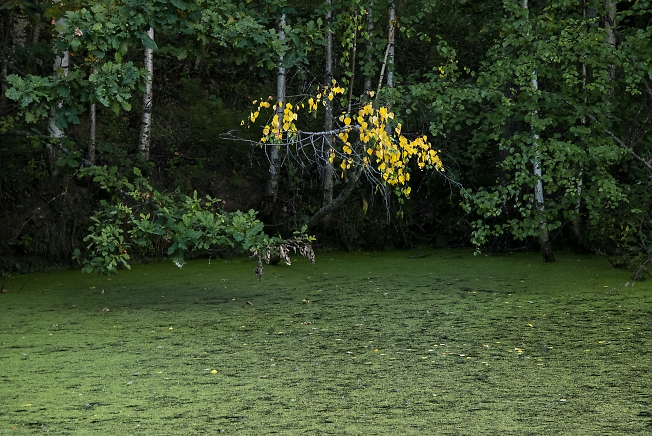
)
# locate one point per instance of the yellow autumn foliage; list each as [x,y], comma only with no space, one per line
[392,152]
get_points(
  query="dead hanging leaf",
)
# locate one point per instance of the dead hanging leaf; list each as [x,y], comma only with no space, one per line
[250,303]
[259,270]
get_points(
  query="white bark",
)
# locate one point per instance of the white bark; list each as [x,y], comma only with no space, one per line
[146,123]
[391,39]
[390,59]
[389,49]
[90,154]
[610,24]
[20,23]
[586,13]
[544,236]
[274,150]
[328,118]
[370,44]
[61,64]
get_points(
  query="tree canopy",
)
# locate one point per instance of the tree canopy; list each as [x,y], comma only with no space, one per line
[503,124]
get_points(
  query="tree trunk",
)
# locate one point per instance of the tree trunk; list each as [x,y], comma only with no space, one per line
[146,123]
[587,12]
[20,24]
[544,237]
[390,42]
[370,46]
[610,25]
[353,58]
[90,153]
[4,71]
[337,202]
[388,61]
[61,64]
[328,118]
[274,150]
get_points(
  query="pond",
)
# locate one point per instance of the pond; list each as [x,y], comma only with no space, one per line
[400,342]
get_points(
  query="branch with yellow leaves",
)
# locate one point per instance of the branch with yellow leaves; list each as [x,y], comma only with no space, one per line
[363,137]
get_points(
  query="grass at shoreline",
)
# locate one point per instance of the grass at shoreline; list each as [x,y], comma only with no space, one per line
[400,342]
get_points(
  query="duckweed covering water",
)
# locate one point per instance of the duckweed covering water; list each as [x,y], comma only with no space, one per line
[428,342]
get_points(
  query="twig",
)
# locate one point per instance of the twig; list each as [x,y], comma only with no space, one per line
[639,270]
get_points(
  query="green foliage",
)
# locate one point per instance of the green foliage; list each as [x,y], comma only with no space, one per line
[142,221]
[529,104]
[32,93]
[463,70]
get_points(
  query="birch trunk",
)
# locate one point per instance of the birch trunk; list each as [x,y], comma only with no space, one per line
[610,25]
[388,61]
[20,23]
[370,46]
[146,122]
[391,39]
[274,150]
[328,118]
[587,12]
[390,64]
[61,64]
[90,153]
[544,237]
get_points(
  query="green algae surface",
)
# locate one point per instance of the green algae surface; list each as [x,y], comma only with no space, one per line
[427,342]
